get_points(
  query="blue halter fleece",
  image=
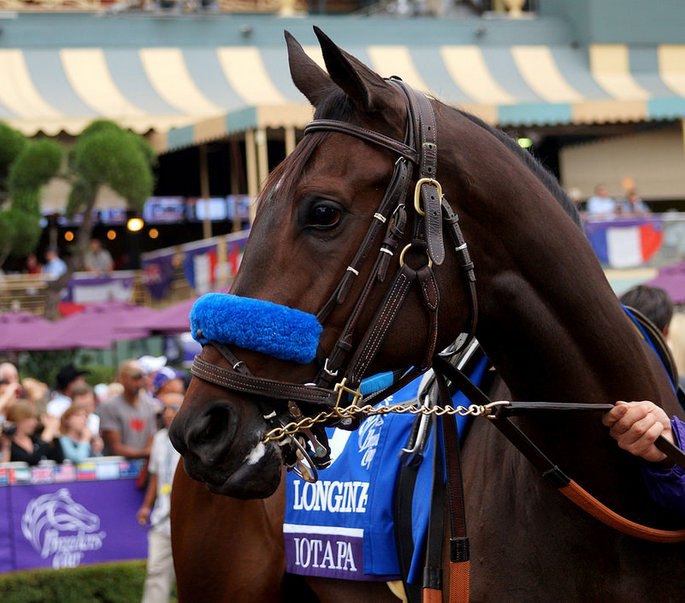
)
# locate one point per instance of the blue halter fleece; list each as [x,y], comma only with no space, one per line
[253,324]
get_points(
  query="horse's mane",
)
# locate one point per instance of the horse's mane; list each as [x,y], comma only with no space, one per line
[532,163]
[337,105]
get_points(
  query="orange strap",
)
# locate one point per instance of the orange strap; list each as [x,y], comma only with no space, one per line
[432,595]
[459,582]
[592,506]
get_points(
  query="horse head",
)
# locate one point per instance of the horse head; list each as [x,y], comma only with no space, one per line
[314,247]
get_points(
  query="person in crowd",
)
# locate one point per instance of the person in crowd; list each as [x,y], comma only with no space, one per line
[128,421]
[151,365]
[655,303]
[10,388]
[636,426]
[82,394]
[9,373]
[97,259]
[20,440]
[167,380]
[67,377]
[77,441]
[113,389]
[633,205]
[32,265]
[54,265]
[601,204]
[157,505]
[37,392]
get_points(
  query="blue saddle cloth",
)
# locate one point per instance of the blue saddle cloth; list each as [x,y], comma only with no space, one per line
[342,526]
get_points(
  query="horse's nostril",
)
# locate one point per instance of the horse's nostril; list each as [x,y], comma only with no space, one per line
[217,423]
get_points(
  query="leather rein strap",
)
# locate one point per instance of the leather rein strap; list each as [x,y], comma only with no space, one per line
[549,470]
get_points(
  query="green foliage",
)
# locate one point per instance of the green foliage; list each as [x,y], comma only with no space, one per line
[29,165]
[81,195]
[27,231]
[100,374]
[114,157]
[44,366]
[12,143]
[27,201]
[107,154]
[105,583]
[8,228]
[36,164]
[104,154]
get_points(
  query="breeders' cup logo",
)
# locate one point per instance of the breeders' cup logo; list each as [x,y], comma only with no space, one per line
[56,525]
[369,435]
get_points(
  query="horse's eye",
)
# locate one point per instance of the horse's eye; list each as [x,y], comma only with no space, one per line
[323,215]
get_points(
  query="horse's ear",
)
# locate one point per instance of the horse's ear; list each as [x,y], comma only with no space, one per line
[307,76]
[363,85]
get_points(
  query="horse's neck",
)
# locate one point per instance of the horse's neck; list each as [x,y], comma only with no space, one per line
[555,335]
[548,318]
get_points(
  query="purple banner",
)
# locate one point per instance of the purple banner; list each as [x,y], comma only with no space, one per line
[71,524]
[6,549]
[85,288]
[334,553]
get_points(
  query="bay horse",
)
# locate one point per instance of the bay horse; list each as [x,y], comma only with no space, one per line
[327,241]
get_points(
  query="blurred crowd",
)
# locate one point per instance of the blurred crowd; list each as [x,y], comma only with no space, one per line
[603,206]
[71,421]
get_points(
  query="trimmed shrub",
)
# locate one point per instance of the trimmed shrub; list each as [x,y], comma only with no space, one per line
[120,582]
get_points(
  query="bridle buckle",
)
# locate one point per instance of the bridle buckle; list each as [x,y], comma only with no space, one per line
[341,388]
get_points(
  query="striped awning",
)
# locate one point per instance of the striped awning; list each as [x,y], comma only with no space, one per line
[200,91]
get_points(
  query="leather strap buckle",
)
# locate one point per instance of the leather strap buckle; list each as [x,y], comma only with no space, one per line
[417,193]
[341,388]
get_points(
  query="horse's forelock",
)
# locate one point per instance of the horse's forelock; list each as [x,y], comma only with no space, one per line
[337,105]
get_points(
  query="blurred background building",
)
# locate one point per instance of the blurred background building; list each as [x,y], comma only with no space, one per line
[595,88]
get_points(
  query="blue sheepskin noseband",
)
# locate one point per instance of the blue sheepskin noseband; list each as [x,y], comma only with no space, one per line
[253,324]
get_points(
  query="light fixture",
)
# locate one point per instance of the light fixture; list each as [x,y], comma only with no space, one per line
[135,224]
[69,236]
[111,234]
[153,233]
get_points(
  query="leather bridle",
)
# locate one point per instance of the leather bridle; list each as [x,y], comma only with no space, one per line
[342,369]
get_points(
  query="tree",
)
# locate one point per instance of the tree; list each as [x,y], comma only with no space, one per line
[25,166]
[104,154]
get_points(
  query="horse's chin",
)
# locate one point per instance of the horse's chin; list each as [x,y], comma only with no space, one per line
[252,479]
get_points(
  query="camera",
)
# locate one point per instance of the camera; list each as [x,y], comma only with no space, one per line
[9,429]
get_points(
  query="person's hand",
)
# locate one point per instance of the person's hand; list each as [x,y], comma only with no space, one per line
[143,515]
[97,445]
[9,394]
[50,427]
[86,435]
[636,426]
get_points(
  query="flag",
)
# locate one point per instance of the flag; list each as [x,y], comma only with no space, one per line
[626,244]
